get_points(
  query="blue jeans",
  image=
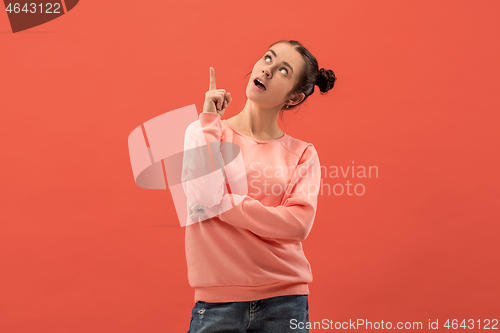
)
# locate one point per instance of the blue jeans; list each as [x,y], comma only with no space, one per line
[278,314]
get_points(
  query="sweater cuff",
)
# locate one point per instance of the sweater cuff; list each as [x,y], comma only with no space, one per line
[209,119]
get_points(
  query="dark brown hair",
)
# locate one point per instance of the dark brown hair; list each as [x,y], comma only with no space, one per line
[311,76]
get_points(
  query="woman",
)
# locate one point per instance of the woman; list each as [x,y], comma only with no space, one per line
[246,263]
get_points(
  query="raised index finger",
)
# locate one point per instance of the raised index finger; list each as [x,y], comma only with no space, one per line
[212,79]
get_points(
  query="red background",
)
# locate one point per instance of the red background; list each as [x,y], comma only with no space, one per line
[84,249]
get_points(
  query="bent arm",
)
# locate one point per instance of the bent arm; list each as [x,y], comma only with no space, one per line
[287,223]
[203,179]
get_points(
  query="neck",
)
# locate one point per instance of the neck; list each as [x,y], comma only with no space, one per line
[258,121]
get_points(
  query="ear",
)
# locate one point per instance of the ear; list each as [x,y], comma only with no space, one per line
[296,99]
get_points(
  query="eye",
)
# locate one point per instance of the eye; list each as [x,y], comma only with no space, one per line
[269,57]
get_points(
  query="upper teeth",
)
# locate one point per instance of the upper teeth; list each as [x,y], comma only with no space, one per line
[260,81]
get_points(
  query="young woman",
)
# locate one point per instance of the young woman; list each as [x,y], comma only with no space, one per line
[246,263]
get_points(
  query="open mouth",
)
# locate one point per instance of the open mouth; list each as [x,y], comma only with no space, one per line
[259,84]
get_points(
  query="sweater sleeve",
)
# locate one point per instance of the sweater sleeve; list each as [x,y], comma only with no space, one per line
[290,222]
[203,179]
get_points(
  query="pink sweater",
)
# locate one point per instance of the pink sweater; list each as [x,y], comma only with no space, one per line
[253,250]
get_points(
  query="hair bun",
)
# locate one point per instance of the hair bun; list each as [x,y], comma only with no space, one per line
[326,80]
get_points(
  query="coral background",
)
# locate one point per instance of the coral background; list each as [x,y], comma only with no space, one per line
[84,249]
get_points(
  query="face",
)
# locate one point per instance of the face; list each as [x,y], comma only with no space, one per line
[279,69]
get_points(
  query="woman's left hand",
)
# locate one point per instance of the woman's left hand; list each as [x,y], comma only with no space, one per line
[196,210]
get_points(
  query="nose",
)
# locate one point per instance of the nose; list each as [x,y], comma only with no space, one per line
[267,72]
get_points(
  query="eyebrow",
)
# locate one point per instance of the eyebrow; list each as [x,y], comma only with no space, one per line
[286,64]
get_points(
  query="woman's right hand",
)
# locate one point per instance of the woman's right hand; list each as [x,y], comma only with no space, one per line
[216,100]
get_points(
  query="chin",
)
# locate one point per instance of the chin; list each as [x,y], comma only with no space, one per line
[255,97]
[252,95]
